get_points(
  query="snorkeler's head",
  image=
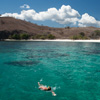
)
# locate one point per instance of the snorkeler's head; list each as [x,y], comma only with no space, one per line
[49,88]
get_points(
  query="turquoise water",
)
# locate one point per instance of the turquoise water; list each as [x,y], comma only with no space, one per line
[71,69]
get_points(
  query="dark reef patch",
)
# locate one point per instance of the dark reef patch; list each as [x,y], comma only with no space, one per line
[27,50]
[97,71]
[60,55]
[47,55]
[93,52]
[45,51]
[33,56]
[22,63]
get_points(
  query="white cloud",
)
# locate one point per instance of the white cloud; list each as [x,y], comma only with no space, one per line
[25,6]
[88,20]
[65,15]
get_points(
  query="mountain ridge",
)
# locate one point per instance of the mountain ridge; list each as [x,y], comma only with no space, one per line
[10,26]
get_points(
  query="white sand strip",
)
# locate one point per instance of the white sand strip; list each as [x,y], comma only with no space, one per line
[58,40]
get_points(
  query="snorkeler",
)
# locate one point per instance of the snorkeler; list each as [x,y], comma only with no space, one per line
[42,87]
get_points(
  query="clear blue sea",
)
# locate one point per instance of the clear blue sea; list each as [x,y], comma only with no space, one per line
[71,69]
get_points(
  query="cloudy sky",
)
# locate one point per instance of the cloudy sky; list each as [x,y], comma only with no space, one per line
[54,13]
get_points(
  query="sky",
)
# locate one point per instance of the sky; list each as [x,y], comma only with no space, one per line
[54,13]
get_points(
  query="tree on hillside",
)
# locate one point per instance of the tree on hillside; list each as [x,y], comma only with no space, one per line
[50,36]
[82,33]
[24,36]
[15,36]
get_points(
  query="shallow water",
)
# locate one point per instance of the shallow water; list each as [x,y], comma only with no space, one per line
[71,69]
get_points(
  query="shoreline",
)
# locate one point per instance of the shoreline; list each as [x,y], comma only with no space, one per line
[55,40]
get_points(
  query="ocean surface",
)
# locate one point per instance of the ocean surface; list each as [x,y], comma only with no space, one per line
[71,69]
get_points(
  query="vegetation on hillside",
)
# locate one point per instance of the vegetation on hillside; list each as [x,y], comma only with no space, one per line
[95,34]
[49,36]
[81,35]
[19,36]
[26,36]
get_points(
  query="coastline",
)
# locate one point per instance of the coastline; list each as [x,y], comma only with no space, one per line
[55,40]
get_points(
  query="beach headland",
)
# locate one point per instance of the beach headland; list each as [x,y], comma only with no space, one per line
[19,30]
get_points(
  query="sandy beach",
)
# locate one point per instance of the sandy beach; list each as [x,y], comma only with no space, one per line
[56,40]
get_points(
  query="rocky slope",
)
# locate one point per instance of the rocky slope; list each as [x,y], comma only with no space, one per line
[10,26]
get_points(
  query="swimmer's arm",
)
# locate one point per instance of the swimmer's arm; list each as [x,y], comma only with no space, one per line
[39,84]
[53,93]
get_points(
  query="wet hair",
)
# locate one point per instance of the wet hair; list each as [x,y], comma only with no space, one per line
[49,88]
